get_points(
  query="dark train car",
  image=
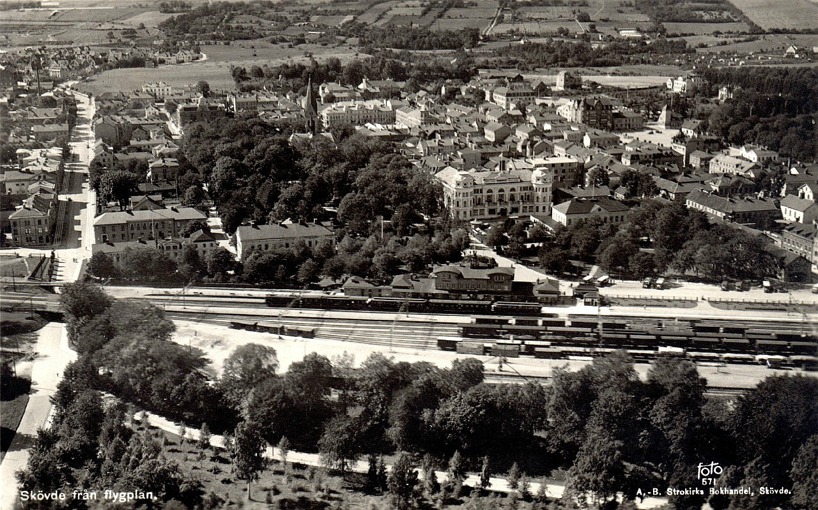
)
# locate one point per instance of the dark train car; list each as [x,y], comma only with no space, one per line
[245,325]
[804,346]
[523,330]
[508,350]
[615,325]
[271,328]
[615,339]
[481,330]
[448,343]
[300,331]
[706,342]
[473,348]
[577,323]
[771,346]
[393,304]
[553,323]
[458,306]
[589,340]
[519,321]
[530,346]
[279,301]
[548,353]
[643,340]
[791,337]
[675,340]
[809,363]
[503,321]
[515,308]
[741,344]
[571,331]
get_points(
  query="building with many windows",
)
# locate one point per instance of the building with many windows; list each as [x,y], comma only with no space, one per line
[481,193]
[357,113]
[800,239]
[758,211]
[595,112]
[512,96]
[607,209]
[513,187]
[32,223]
[145,224]
[280,236]
[464,279]
[159,90]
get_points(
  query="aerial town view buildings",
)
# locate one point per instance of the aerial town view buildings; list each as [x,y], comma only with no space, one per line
[409,255]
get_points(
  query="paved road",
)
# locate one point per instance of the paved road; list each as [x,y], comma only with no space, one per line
[53,355]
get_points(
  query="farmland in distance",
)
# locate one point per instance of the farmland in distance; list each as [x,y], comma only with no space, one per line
[792,14]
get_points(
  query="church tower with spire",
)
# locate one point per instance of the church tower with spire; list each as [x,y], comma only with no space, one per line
[310,108]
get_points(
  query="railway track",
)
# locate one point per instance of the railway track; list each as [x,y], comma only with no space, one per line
[374,331]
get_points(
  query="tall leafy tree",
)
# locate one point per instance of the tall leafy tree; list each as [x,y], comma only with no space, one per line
[339,446]
[248,453]
[245,368]
[403,482]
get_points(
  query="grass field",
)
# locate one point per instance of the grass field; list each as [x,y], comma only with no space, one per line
[535,27]
[11,412]
[460,24]
[774,44]
[376,12]
[216,70]
[547,13]
[627,82]
[704,28]
[150,19]
[780,13]
[14,266]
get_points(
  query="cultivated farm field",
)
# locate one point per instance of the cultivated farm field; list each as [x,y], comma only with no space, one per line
[128,80]
[150,19]
[798,14]
[215,70]
[704,28]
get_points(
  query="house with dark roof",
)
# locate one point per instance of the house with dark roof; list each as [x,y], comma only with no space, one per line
[473,280]
[756,211]
[151,224]
[410,285]
[572,211]
[357,286]
[282,235]
[673,190]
